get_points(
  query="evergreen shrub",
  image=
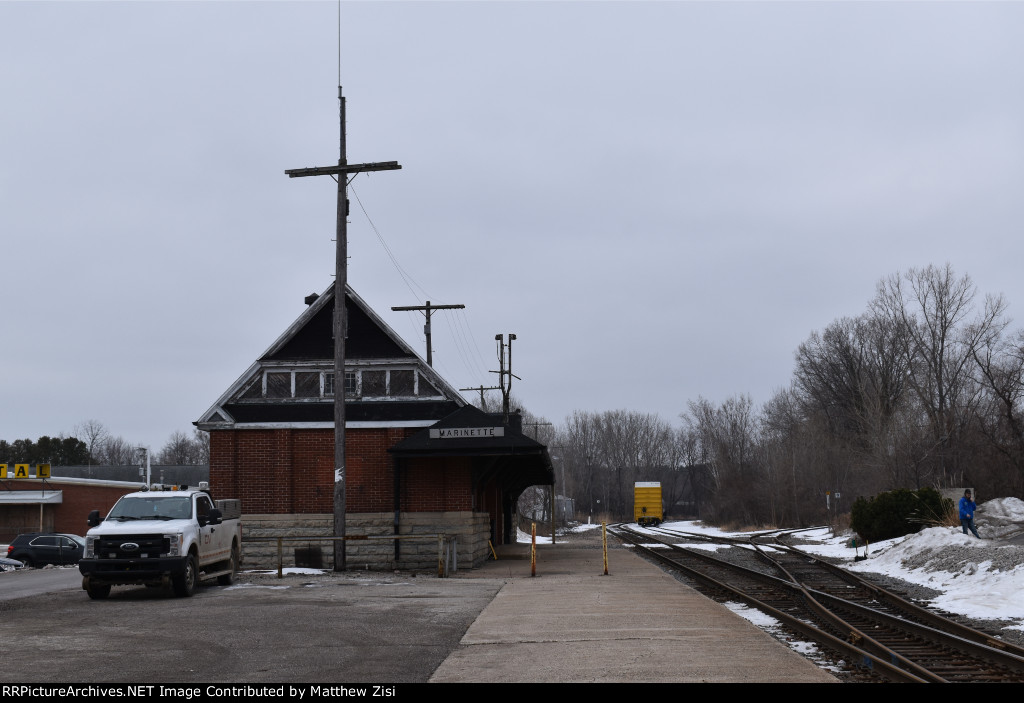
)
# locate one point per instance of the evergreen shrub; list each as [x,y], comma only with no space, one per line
[897,513]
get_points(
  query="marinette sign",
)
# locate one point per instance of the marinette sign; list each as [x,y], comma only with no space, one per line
[466,432]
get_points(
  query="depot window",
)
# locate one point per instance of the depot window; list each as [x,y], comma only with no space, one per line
[305,384]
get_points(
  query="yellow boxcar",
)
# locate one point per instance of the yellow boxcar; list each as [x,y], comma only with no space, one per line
[647,503]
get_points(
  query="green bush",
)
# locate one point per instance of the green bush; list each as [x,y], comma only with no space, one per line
[898,513]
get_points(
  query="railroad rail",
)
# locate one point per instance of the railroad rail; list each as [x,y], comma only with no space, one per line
[886,636]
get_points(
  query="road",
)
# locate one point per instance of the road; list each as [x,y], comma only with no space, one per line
[347,628]
[33,582]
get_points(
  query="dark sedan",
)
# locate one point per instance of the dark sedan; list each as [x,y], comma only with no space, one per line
[41,548]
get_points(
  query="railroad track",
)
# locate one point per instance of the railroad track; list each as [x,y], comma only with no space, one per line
[887,637]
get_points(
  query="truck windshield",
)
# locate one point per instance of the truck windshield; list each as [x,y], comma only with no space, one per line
[152,508]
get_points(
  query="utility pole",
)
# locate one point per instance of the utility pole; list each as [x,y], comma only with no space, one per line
[535,425]
[427,310]
[340,172]
[481,389]
[506,388]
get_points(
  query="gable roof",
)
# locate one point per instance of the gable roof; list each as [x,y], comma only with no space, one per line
[308,344]
[311,336]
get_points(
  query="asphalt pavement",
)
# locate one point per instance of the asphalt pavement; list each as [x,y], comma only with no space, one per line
[378,628]
[569,623]
[25,583]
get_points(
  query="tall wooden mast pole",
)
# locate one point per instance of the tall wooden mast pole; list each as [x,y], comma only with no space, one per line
[340,324]
[340,171]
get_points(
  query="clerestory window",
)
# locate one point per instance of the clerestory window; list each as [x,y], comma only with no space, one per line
[304,384]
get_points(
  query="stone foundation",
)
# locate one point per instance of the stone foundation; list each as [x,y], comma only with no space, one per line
[260,532]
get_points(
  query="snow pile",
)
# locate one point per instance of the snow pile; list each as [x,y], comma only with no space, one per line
[975,578]
[289,570]
[1000,518]
[525,538]
[958,573]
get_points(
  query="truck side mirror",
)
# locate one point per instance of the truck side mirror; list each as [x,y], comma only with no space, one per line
[94,518]
[214,517]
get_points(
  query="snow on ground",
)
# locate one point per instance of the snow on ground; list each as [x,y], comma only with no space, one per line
[695,527]
[524,537]
[976,578]
[586,527]
[774,627]
[289,570]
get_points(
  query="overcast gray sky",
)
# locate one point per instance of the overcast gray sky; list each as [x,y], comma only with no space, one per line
[661,200]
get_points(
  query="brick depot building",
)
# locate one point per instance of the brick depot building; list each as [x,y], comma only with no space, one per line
[419,459]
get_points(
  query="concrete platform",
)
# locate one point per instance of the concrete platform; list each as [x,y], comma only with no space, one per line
[571,623]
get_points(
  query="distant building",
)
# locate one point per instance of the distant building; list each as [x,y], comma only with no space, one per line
[419,459]
[58,504]
[62,502]
[171,474]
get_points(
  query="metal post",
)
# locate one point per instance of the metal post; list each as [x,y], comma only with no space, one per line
[440,556]
[533,549]
[552,513]
[604,544]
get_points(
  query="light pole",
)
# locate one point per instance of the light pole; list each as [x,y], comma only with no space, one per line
[145,450]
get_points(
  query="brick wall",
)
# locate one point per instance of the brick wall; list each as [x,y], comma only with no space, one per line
[285,480]
[430,485]
[291,471]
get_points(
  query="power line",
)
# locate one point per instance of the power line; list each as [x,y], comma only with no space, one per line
[407,279]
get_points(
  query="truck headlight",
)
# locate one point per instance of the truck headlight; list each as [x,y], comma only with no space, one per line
[90,548]
[173,545]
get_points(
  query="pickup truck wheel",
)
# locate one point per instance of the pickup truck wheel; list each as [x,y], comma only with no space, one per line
[185,584]
[98,591]
[228,579]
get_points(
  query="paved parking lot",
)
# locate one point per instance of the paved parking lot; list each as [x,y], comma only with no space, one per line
[496,623]
[373,628]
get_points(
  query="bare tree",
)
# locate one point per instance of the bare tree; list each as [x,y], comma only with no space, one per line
[728,438]
[1000,367]
[937,312]
[580,457]
[117,451]
[94,434]
[923,388]
[184,449]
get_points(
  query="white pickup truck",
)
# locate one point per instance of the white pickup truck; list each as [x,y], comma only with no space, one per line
[162,537]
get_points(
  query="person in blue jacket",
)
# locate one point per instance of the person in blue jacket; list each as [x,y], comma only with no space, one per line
[967,508]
